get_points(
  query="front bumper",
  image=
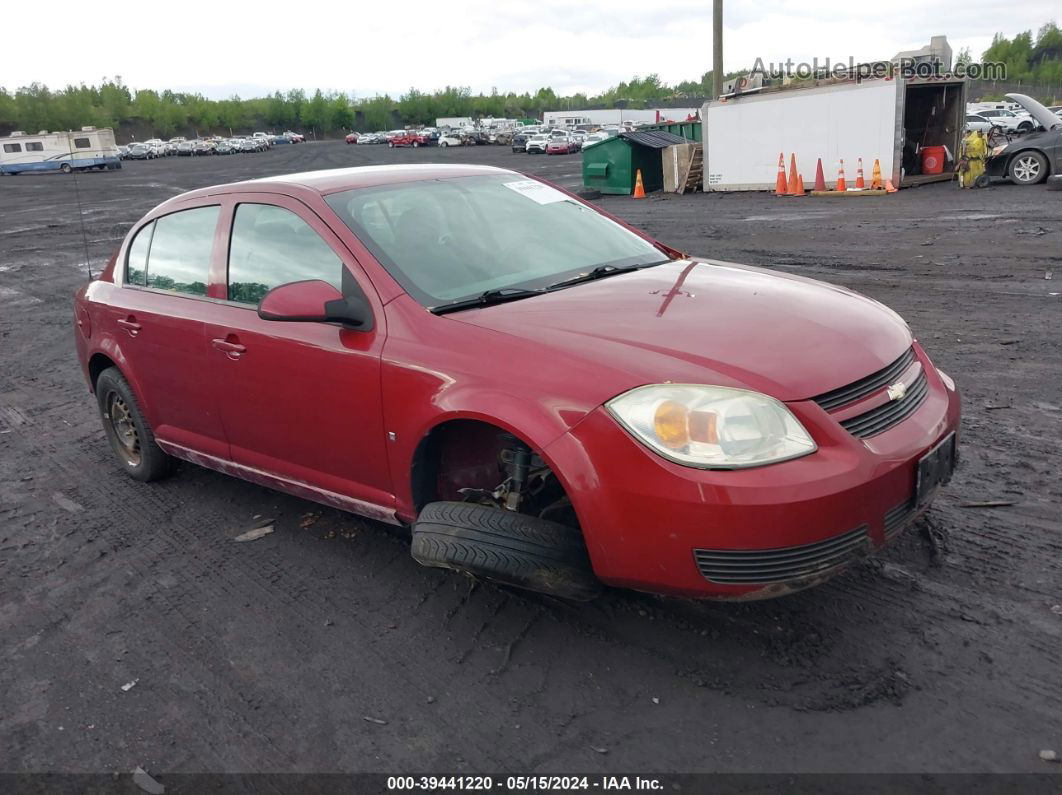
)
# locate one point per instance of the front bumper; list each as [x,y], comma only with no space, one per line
[653,525]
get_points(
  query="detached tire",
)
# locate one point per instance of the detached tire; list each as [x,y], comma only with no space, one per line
[506,547]
[131,438]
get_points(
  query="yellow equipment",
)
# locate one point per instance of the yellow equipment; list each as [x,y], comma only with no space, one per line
[972,154]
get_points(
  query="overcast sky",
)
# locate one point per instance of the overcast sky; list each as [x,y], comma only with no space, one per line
[253,47]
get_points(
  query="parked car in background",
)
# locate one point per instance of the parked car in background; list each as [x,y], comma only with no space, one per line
[351,138]
[519,142]
[123,152]
[226,147]
[975,121]
[296,138]
[368,138]
[594,138]
[250,145]
[186,148]
[536,144]
[1010,122]
[203,147]
[141,151]
[590,405]
[450,139]
[1032,158]
[561,146]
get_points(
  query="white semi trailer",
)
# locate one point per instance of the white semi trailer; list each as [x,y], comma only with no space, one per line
[891,120]
[87,148]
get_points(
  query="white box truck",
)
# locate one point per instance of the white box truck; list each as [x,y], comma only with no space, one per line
[892,120]
[87,148]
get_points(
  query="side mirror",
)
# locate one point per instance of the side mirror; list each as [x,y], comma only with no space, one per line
[315,301]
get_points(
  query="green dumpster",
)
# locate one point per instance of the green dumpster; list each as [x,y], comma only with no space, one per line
[610,166]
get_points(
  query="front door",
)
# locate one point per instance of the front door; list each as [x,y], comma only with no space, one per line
[298,400]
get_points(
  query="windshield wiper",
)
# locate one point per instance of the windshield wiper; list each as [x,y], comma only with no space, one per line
[486,299]
[600,272]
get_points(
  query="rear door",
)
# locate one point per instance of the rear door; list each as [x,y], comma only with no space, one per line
[298,400]
[158,319]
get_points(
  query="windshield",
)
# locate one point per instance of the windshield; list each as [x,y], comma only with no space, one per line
[453,239]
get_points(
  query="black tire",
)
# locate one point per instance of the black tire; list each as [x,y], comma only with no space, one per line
[506,547]
[1055,182]
[149,461]
[65,168]
[1027,168]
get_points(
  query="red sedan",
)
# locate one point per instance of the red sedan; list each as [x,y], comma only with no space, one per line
[561,146]
[552,411]
[351,138]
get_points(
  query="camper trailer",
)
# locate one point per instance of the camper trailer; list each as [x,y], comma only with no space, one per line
[58,151]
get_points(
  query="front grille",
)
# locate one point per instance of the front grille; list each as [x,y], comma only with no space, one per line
[865,386]
[765,566]
[896,517]
[888,414]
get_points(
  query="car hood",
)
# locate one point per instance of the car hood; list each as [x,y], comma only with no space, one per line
[705,321]
[1046,118]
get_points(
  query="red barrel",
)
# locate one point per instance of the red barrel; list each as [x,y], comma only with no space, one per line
[933,159]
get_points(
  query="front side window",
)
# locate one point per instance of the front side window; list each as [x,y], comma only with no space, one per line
[452,239]
[12,148]
[179,250]
[82,143]
[271,246]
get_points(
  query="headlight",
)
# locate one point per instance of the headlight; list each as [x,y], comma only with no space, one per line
[711,427]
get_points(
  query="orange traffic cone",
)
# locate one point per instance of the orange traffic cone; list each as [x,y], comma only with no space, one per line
[780,183]
[792,188]
[800,186]
[639,188]
[889,186]
[860,183]
[875,176]
[820,180]
[841,184]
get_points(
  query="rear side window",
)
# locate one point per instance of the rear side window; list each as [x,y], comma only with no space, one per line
[136,263]
[11,148]
[173,253]
[82,143]
[34,146]
[272,246]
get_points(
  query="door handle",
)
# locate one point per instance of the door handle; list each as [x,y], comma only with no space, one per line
[130,325]
[233,350]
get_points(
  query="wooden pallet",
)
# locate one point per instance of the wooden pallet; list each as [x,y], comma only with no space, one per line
[694,178]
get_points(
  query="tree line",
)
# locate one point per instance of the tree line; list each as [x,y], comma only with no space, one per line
[166,113]
[1036,60]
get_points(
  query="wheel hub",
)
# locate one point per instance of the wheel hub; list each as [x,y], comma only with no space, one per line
[1027,169]
[125,431]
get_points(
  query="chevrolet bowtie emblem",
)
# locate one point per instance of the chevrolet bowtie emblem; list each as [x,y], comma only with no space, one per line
[897,391]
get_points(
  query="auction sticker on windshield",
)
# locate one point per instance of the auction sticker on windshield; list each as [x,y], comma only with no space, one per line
[543,194]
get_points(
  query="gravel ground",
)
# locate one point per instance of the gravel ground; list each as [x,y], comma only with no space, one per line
[323,647]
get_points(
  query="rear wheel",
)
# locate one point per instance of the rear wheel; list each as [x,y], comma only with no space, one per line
[65,168]
[506,547]
[131,438]
[1028,168]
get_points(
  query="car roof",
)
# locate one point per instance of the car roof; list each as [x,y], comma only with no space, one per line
[340,179]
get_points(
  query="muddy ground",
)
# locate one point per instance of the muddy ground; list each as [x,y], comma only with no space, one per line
[324,647]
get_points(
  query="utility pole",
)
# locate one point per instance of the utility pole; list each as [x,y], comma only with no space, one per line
[717,49]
